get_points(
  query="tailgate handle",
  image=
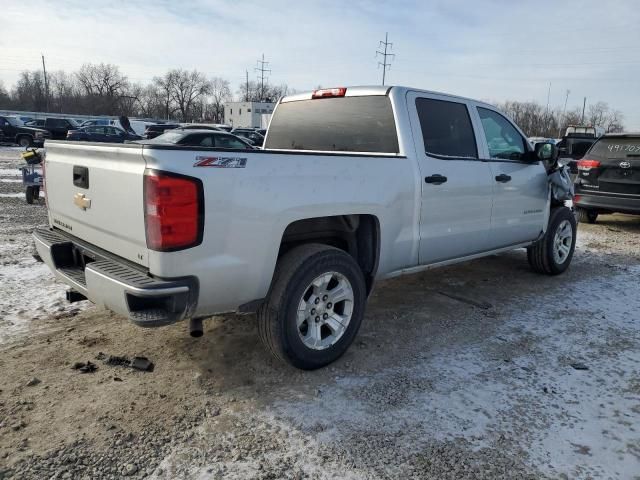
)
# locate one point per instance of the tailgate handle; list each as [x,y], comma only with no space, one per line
[80,176]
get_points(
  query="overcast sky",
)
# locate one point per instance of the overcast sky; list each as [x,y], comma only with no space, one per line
[488,49]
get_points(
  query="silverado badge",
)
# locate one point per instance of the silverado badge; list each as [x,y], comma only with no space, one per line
[81,201]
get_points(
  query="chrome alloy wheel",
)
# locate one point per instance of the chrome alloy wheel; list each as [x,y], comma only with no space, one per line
[562,242]
[324,311]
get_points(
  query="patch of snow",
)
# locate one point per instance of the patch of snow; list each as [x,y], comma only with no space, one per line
[29,291]
[18,195]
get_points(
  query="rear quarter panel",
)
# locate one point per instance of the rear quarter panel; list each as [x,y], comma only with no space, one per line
[248,209]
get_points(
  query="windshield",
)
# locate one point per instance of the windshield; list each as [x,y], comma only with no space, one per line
[168,137]
[346,124]
[13,121]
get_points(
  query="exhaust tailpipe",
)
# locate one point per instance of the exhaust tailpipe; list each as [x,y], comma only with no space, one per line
[195,327]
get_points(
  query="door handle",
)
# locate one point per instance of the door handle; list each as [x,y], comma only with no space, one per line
[502,178]
[436,179]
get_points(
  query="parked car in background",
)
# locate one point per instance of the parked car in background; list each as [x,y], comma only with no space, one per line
[100,133]
[133,126]
[156,129]
[58,127]
[355,185]
[200,138]
[608,178]
[14,131]
[200,126]
[223,126]
[38,123]
[250,134]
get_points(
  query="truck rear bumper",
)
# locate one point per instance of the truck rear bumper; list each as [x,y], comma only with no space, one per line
[116,283]
[607,202]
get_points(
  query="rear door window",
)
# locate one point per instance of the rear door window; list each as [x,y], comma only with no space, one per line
[446,129]
[343,124]
[227,141]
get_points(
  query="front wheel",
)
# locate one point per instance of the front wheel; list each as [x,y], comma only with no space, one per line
[315,306]
[552,254]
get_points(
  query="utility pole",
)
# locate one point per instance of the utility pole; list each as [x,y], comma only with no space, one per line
[584,104]
[262,71]
[546,112]
[46,84]
[387,45]
[564,112]
[246,96]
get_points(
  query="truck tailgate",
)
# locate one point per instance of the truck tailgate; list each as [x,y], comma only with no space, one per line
[95,193]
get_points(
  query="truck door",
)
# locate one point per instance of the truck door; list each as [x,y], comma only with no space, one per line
[521,191]
[457,187]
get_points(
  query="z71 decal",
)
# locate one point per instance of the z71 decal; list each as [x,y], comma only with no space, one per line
[221,162]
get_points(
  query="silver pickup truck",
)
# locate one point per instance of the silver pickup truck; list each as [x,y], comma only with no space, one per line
[354,185]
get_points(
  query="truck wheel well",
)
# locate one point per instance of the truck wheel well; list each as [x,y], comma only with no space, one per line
[358,235]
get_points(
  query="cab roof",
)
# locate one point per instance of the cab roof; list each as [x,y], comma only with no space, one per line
[369,90]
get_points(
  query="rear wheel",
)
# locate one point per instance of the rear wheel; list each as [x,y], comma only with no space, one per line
[25,141]
[552,254]
[315,306]
[586,216]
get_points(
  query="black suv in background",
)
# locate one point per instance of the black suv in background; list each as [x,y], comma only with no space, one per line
[59,127]
[152,131]
[13,131]
[608,178]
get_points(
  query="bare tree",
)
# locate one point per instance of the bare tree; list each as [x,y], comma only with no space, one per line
[597,114]
[164,88]
[29,91]
[63,93]
[5,99]
[187,88]
[219,95]
[103,85]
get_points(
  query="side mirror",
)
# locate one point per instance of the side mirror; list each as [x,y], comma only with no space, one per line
[547,152]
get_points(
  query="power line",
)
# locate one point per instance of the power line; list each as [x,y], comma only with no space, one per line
[387,45]
[261,68]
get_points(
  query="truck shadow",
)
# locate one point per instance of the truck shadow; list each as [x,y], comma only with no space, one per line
[407,318]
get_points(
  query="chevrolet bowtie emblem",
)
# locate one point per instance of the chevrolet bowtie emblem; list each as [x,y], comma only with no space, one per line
[81,201]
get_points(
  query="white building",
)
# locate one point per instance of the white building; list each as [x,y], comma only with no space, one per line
[248,114]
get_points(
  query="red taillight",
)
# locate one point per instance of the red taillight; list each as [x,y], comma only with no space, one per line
[173,210]
[329,92]
[586,165]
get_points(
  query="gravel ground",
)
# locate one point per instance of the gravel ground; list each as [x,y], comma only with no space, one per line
[542,382]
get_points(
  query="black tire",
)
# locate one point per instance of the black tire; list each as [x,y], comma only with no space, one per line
[277,316]
[29,195]
[586,216]
[541,255]
[25,141]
